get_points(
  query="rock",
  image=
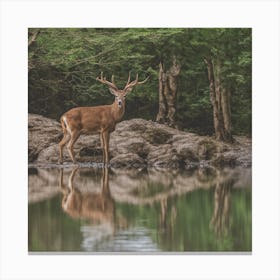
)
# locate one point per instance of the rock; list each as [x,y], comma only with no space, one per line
[49,154]
[42,133]
[156,135]
[186,147]
[138,143]
[164,156]
[129,160]
[225,160]
[206,149]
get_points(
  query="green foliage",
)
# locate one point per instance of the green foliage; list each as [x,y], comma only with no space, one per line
[64,63]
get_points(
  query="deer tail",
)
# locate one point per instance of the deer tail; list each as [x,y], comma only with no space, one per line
[63,125]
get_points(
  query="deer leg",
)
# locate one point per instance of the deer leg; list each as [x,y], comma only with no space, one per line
[107,139]
[106,145]
[74,137]
[102,146]
[62,143]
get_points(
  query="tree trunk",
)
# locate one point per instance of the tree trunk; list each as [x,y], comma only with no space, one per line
[161,116]
[220,99]
[227,114]
[168,93]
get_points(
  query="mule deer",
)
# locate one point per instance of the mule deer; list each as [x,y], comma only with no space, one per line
[102,119]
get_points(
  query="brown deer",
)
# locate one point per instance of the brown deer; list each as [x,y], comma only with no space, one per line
[100,119]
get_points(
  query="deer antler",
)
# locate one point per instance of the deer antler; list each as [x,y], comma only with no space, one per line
[128,80]
[134,83]
[104,81]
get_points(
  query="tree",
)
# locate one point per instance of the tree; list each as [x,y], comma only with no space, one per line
[168,93]
[222,50]
[220,100]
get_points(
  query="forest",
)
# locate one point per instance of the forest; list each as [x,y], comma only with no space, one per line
[199,78]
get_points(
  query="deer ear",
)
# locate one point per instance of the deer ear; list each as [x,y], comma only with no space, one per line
[114,92]
[128,91]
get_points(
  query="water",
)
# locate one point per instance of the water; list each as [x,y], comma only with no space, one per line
[101,210]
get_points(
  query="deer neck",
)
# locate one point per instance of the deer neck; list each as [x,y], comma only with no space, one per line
[117,111]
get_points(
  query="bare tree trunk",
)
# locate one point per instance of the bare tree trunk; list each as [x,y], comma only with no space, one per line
[171,97]
[168,93]
[161,116]
[220,99]
[226,114]
[214,100]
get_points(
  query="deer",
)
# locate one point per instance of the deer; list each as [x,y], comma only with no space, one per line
[98,119]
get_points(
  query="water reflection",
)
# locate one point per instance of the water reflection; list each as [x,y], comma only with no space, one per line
[203,210]
[104,230]
[220,220]
[97,207]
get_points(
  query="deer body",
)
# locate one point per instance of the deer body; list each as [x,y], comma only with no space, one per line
[98,119]
[89,120]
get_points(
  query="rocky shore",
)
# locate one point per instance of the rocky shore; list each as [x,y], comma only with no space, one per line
[138,143]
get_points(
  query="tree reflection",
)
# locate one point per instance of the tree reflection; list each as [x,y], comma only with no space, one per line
[220,221]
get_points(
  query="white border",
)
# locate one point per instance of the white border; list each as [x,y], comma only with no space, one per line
[17,16]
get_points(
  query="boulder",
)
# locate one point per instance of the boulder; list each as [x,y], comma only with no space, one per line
[164,156]
[42,133]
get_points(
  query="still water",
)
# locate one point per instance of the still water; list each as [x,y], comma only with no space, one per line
[104,210]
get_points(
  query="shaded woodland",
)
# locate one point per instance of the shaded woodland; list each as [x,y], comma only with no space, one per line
[200,78]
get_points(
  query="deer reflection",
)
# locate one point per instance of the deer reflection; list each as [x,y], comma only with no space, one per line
[97,207]
[220,221]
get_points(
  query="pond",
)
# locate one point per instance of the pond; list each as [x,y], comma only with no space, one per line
[91,209]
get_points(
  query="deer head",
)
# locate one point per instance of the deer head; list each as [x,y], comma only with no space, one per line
[120,94]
